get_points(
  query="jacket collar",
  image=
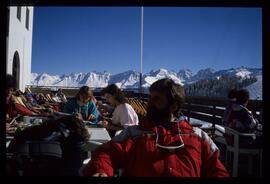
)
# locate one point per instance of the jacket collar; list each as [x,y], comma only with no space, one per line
[171,127]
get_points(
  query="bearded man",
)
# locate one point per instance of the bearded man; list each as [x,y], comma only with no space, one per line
[164,145]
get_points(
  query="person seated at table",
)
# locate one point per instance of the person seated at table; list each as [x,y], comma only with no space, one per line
[20,98]
[18,92]
[52,101]
[162,146]
[242,120]
[27,100]
[32,102]
[232,100]
[41,100]
[72,135]
[28,103]
[48,98]
[43,110]
[61,95]
[13,106]
[28,92]
[82,105]
[123,115]
[54,97]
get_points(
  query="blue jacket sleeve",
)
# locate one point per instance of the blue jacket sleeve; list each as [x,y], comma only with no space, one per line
[92,109]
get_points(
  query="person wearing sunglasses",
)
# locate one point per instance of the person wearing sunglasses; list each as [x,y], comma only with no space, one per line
[164,145]
[82,105]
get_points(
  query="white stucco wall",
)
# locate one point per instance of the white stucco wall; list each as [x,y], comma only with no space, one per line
[20,40]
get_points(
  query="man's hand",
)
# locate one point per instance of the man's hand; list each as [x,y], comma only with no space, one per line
[100,175]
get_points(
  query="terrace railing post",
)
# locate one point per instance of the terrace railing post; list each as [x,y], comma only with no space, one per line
[189,111]
[214,122]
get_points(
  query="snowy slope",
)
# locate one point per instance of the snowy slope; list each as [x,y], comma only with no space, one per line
[255,89]
[153,76]
[127,79]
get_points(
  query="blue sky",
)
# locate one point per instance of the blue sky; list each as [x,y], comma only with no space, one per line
[83,39]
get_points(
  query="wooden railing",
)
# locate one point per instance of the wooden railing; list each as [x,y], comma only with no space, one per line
[202,108]
[211,110]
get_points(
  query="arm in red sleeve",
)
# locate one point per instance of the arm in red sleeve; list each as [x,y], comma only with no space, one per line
[23,110]
[107,158]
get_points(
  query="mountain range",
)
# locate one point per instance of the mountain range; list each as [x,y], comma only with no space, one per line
[130,79]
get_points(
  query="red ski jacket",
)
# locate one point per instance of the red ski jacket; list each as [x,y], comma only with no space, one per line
[177,149]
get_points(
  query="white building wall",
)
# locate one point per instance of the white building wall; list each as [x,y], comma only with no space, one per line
[20,40]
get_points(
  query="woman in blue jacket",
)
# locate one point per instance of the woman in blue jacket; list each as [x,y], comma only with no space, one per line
[82,105]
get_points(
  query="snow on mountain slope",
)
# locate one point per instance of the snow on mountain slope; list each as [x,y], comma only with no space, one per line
[201,75]
[130,79]
[255,89]
[153,76]
[45,79]
[126,79]
[184,75]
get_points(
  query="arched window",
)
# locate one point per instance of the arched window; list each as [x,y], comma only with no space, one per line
[16,68]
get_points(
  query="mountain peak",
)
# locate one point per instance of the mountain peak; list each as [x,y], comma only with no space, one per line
[211,70]
[184,74]
[161,71]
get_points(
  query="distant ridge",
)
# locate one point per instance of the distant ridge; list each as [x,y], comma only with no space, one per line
[130,79]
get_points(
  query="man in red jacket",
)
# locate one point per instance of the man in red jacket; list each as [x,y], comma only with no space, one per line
[162,146]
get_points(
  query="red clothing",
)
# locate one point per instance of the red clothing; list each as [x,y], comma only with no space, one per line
[56,107]
[13,109]
[139,156]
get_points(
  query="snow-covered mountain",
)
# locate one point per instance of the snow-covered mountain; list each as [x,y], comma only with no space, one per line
[44,79]
[241,72]
[130,79]
[155,75]
[255,89]
[207,73]
[184,75]
[93,79]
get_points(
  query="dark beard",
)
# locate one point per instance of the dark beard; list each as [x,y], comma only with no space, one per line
[158,116]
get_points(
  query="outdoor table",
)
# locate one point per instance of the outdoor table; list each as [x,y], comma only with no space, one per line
[98,136]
